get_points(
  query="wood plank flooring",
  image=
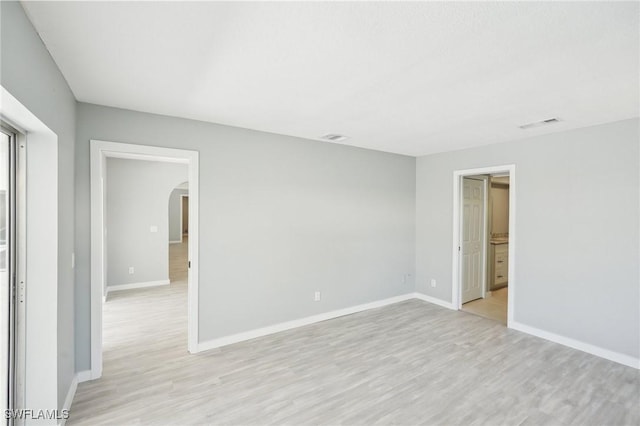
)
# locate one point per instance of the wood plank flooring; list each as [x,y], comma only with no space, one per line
[408,363]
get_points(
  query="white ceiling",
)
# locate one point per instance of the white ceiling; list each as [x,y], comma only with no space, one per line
[412,78]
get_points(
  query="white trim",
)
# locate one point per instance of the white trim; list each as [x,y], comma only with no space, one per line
[38,258]
[485,237]
[576,344]
[276,328]
[434,300]
[83,376]
[283,326]
[175,242]
[131,286]
[99,151]
[71,393]
[511,274]
[455,272]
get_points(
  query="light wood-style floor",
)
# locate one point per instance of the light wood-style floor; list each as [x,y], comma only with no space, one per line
[494,306]
[408,363]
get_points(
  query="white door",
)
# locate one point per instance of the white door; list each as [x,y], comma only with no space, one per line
[472,239]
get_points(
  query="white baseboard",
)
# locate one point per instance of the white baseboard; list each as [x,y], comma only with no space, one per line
[71,393]
[264,331]
[283,326]
[576,344]
[434,300]
[175,242]
[131,286]
[84,376]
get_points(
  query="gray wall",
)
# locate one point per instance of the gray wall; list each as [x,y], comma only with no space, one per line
[280,217]
[137,198]
[577,254]
[31,76]
[175,216]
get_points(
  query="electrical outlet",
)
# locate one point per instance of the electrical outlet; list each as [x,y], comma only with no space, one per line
[316,296]
[153,228]
[131,270]
[433,282]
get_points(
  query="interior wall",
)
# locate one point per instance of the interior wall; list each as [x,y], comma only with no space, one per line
[280,217]
[577,252]
[175,214]
[137,196]
[313,206]
[29,73]
[499,196]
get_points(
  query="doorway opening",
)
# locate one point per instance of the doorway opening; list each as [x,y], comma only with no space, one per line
[179,213]
[179,233]
[185,215]
[484,242]
[111,271]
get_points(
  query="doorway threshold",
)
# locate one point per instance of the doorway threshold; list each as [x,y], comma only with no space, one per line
[493,307]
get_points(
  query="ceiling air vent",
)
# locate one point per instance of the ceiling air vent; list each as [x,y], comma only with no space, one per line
[540,123]
[333,137]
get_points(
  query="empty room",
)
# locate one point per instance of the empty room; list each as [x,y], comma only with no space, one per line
[323,213]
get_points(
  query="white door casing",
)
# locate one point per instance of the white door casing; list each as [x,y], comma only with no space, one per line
[456,271]
[99,151]
[37,256]
[472,239]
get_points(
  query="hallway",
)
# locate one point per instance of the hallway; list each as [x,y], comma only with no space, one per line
[144,333]
[133,320]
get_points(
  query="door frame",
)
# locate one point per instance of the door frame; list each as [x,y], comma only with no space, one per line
[16,267]
[456,288]
[100,151]
[38,254]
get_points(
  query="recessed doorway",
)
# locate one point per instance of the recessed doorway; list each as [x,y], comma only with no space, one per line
[485,249]
[484,242]
[100,152]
